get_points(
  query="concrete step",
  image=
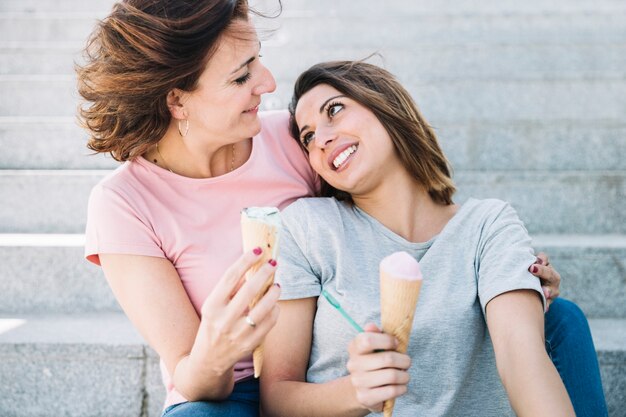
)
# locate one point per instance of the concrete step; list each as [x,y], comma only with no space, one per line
[97,365]
[47,143]
[89,365]
[334,7]
[47,274]
[588,202]
[304,25]
[460,101]
[59,143]
[432,62]
[592,269]
[554,202]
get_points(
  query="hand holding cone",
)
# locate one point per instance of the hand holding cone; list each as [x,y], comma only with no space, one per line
[400,283]
[260,227]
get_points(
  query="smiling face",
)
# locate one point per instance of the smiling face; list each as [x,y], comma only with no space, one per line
[226,101]
[346,143]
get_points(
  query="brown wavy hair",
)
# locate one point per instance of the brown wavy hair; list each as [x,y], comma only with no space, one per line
[135,57]
[380,92]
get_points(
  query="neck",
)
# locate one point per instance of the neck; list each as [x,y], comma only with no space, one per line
[195,158]
[406,208]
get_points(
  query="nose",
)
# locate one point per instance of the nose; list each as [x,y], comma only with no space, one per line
[324,135]
[266,83]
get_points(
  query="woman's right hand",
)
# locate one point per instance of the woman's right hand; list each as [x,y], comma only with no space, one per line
[377,372]
[226,324]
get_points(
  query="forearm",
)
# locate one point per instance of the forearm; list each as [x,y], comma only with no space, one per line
[532,382]
[199,376]
[293,398]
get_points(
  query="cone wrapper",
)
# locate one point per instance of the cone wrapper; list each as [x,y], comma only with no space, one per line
[260,227]
[398,299]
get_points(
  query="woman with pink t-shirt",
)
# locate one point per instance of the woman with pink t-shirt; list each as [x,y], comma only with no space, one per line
[173,90]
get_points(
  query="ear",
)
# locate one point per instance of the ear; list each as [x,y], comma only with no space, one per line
[175,102]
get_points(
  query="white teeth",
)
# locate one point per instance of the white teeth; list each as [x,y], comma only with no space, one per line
[341,158]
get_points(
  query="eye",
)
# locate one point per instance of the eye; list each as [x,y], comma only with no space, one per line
[243,79]
[307,138]
[333,108]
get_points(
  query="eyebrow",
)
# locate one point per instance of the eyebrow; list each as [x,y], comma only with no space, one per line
[247,62]
[243,65]
[322,109]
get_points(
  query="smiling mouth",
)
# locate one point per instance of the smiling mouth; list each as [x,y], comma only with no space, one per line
[343,156]
[252,109]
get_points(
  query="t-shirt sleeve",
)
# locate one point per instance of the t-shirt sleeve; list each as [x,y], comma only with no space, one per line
[504,255]
[295,274]
[115,226]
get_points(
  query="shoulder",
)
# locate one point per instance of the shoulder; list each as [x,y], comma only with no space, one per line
[312,213]
[313,208]
[489,210]
[124,183]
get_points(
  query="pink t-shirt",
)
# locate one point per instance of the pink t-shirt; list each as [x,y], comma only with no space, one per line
[142,209]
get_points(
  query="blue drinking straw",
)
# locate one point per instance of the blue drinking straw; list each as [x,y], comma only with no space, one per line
[333,302]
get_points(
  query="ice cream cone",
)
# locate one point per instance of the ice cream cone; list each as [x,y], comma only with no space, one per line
[400,283]
[260,227]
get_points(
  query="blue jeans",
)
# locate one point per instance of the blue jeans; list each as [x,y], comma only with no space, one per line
[569,345]
[242,402]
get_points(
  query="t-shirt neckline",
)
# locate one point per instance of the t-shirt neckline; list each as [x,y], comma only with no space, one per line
[413,245]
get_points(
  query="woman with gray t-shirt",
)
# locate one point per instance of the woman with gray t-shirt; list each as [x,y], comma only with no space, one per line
[479,305]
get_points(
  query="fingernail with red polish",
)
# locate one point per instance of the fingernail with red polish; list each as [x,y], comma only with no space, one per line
[535,269]
[272,262]
[257,251]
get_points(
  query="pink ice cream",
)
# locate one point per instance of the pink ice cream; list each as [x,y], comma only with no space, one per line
[401,265]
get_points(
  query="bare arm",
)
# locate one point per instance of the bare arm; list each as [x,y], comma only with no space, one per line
[284,391]
[515,321]
[374,377]
[199,353]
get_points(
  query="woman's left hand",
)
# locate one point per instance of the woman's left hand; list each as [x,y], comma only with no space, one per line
[549,277]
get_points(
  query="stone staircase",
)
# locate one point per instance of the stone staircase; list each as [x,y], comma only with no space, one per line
[528,99]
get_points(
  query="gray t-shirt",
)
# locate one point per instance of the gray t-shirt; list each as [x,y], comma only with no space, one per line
[483,251]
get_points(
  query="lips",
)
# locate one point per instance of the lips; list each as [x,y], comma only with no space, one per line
[340,155]
[252,109]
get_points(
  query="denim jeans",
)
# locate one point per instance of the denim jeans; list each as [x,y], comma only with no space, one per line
[242,402]
[569,345]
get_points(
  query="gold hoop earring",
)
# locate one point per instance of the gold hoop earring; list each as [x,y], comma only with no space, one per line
[180,130]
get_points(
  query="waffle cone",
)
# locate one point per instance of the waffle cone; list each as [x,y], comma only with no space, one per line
[255,234]
[398,298]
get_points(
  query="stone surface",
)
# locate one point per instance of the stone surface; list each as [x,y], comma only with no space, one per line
[67,366]
[47,144]
[554,202]
[44,279]
[45,201]
[592,269]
